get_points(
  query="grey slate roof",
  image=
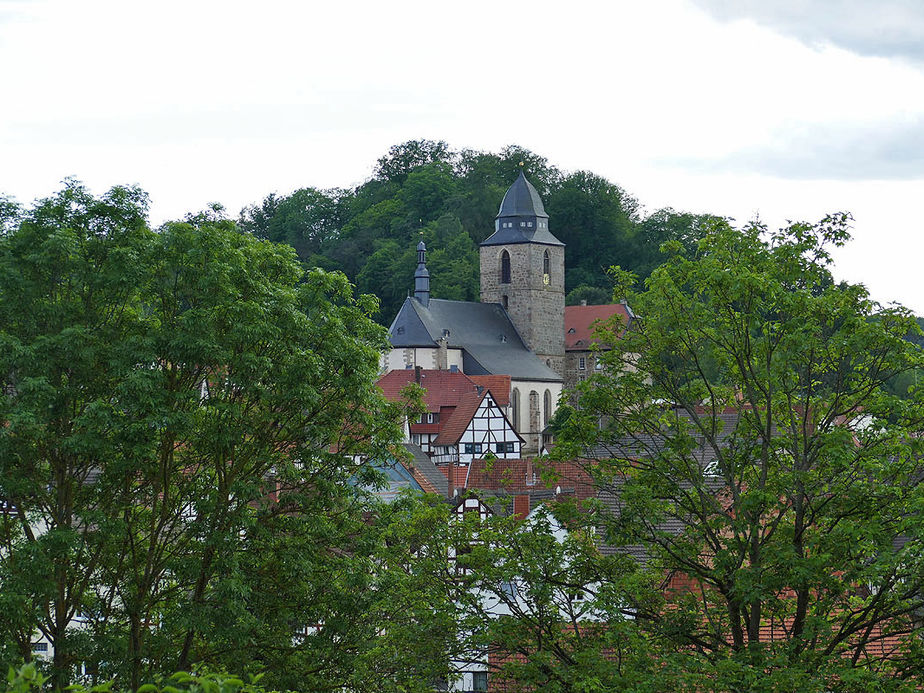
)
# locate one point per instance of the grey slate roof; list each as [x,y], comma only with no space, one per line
[522,200]
[491,344]
[521,203]
[425,466]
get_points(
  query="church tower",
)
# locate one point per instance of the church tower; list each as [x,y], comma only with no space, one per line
[523,269]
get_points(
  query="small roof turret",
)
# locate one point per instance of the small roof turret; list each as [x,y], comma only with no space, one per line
[521,217]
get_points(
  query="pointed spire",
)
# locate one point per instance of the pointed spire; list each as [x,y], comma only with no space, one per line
[522,217]
[422,276]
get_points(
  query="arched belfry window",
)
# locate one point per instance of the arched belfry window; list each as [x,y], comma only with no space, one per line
[505,268]
[546,264]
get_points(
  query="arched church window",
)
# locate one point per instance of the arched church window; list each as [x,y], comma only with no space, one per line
[515,402]
[546,263]
[505,268]
[546,408]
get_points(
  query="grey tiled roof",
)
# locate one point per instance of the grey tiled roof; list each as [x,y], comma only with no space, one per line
[521,202]
[425,466]
[490,342]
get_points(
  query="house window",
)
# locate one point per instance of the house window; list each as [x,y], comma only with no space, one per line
[505,268]
[598,366]
[582,363]
[480,681]
[504,447]
[40,647]
[473,448]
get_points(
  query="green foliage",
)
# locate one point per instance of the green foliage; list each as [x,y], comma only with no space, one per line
[591,295]
[451,198]
[188,416]
[759,455]
[27,679]
[548,611]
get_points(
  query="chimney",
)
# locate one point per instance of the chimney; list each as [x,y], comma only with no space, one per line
[442,353]
[422,276]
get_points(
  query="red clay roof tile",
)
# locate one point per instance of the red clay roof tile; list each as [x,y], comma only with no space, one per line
[443,388]
[579,323]
[460,419]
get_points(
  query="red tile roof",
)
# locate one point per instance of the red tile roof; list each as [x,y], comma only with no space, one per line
[499,385]
[459,474]
[524,475]
[579,323]
[443,388]
[460,419]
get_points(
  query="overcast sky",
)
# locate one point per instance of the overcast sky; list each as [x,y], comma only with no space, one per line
[786,109]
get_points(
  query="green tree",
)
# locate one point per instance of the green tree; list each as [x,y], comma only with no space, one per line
[309,219]
[175,403]
[402,159]
[593,295]
[596,221]
[546,611]
[745,435]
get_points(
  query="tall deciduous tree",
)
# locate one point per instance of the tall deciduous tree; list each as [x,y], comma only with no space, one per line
[748,446]
[172,403]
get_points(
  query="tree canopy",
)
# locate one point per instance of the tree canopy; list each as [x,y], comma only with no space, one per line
[424,189]
[189,421]
[747,445]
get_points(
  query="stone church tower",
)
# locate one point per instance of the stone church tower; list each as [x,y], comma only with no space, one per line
[523,269]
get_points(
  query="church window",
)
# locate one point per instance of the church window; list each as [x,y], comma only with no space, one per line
[546,263]
[522,223]
[546,408]
[505,268]
[515,403]
[582,363]
[505,301]
[529,224]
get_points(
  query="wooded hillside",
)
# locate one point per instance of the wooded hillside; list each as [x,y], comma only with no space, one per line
[425,189]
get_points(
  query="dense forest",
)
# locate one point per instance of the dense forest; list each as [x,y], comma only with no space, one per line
[449,198]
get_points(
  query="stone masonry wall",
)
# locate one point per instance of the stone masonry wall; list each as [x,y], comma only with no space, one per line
[537,309]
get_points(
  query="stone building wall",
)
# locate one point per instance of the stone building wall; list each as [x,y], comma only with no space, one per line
[536,308]
[573,373]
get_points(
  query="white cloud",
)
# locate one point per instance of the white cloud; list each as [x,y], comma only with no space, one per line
[885,28]
[228,101]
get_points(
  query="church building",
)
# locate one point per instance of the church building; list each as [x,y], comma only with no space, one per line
[518,328]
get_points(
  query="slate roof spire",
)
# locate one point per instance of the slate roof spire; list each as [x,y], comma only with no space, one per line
[522,200]
[522,217]
[422,276]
